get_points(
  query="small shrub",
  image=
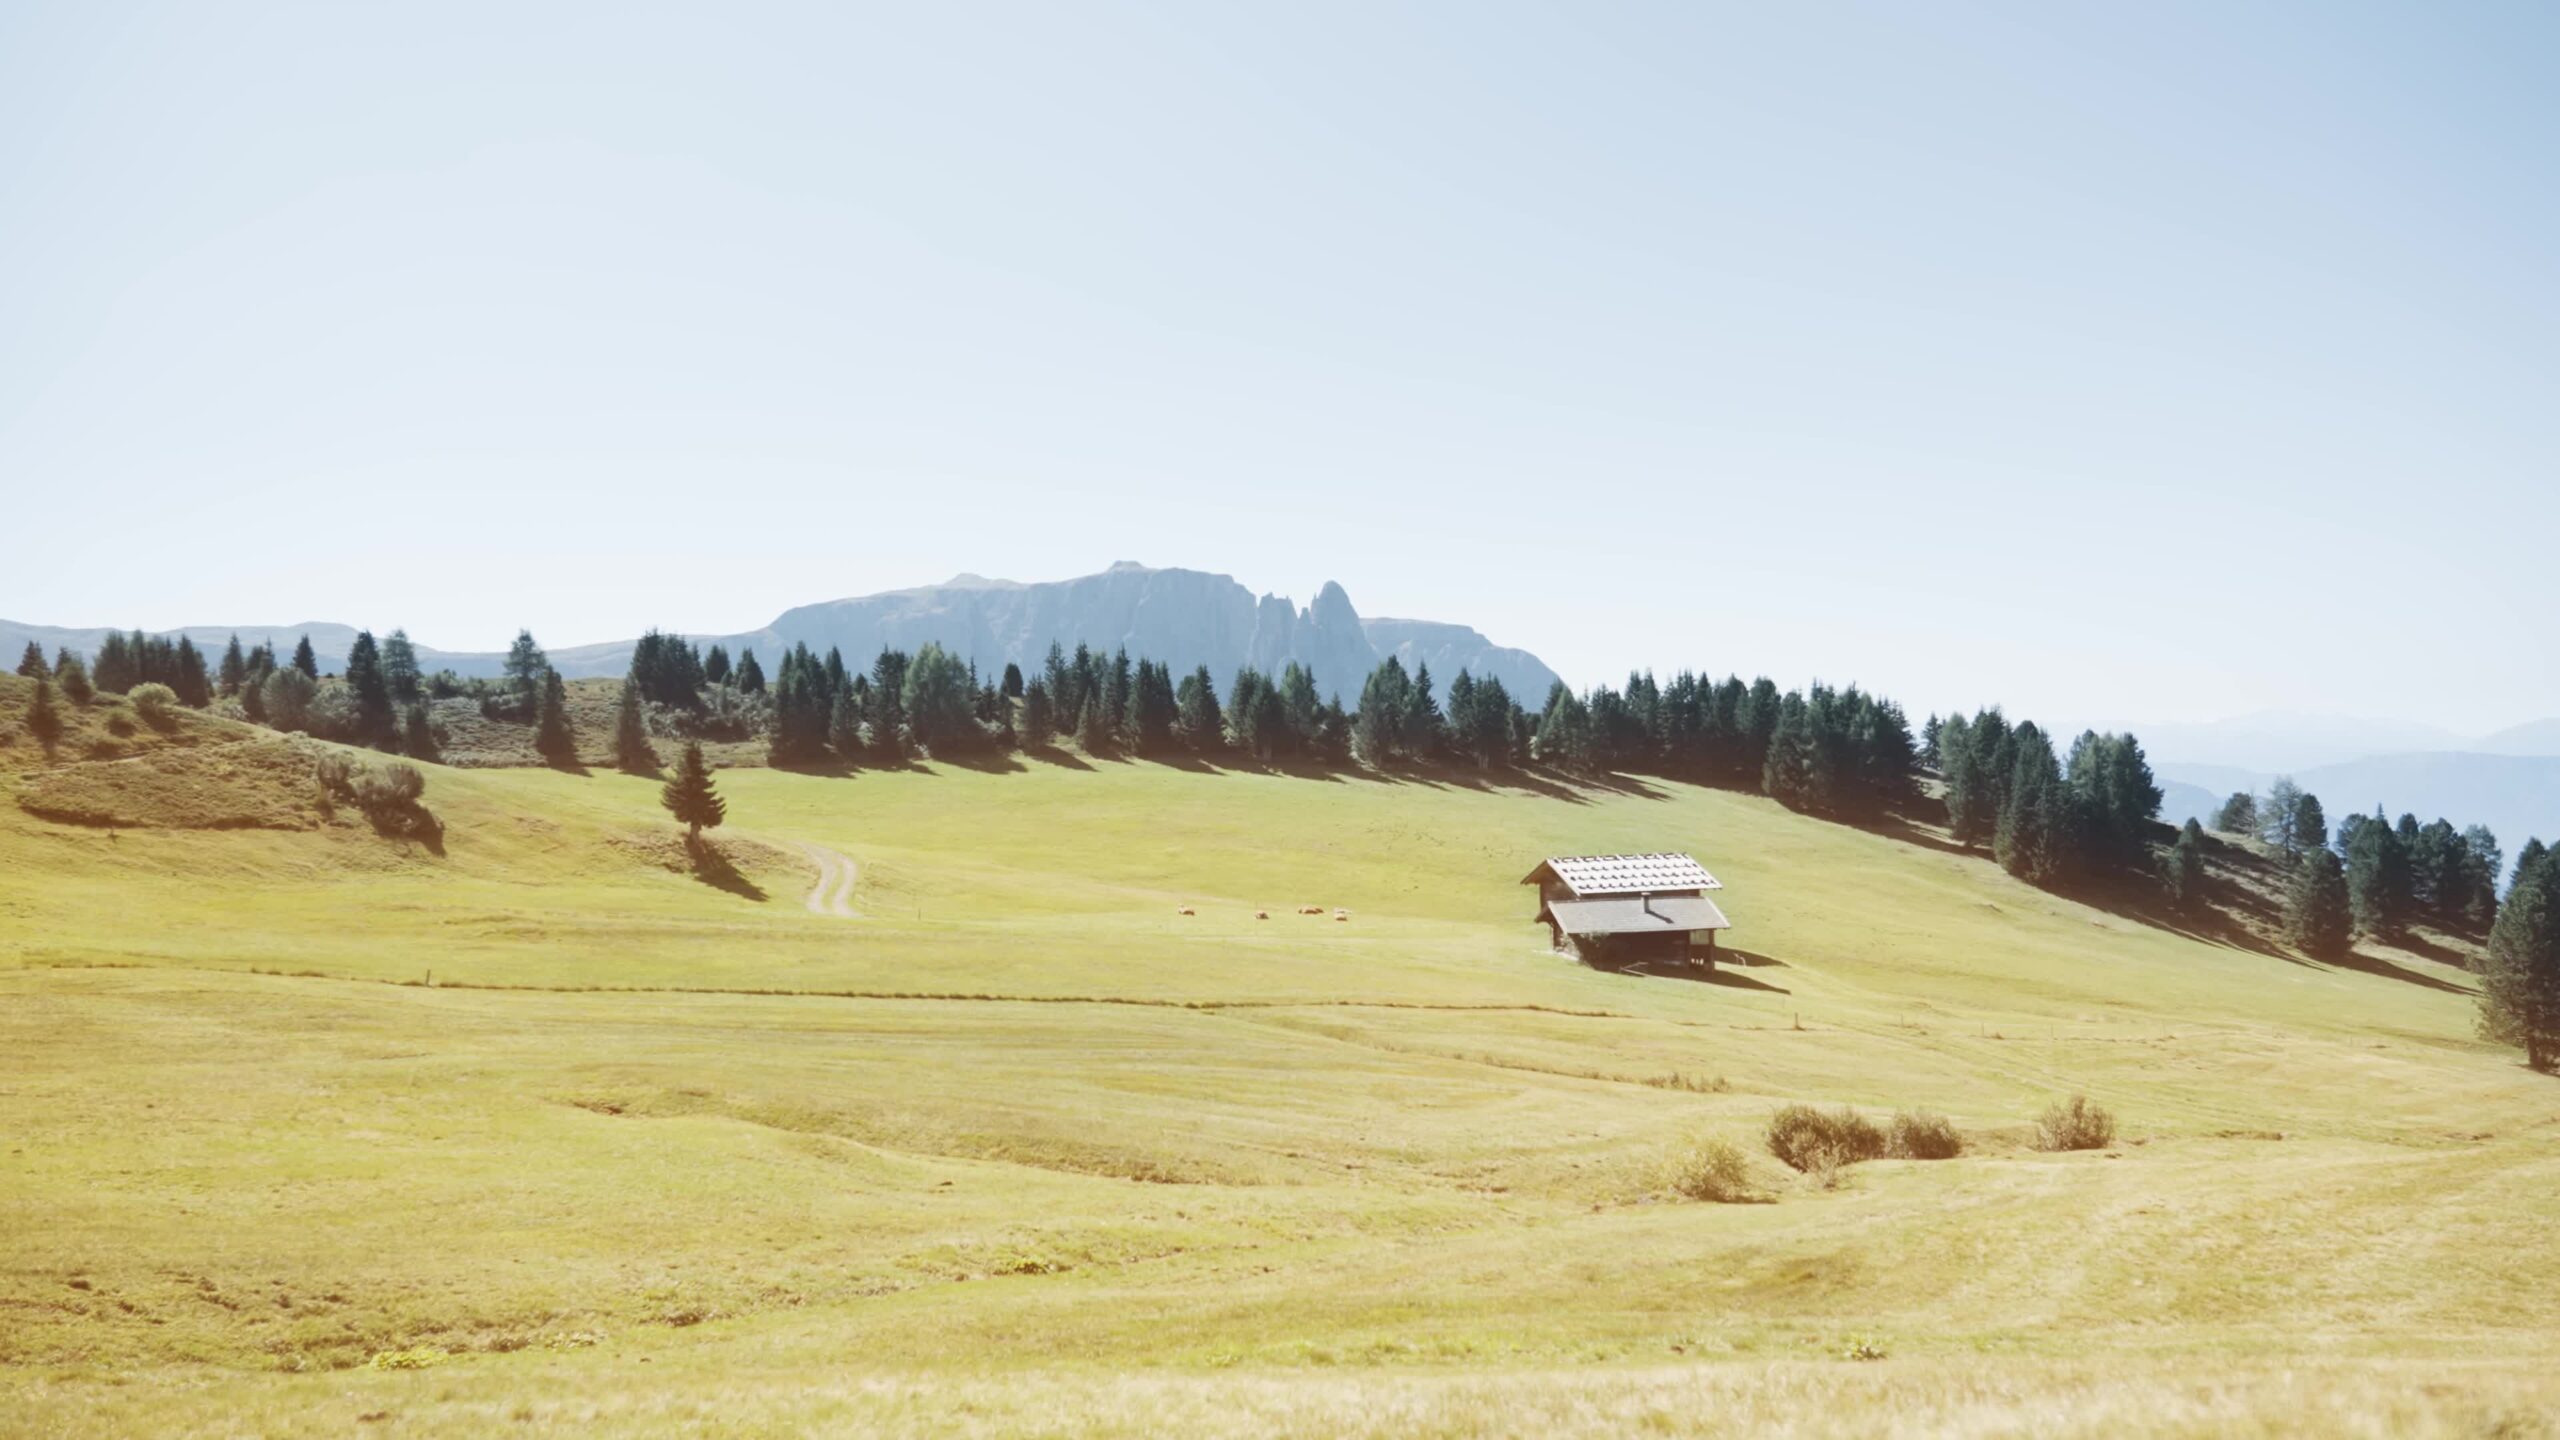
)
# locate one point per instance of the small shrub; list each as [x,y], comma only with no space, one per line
[1806,1139]
[416,1358]
[2075,1124]
[120,724]
[1861,1347]
[156,703]
[1716,1170]
[1923,1135]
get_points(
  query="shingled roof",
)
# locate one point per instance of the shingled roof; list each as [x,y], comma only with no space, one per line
[1656,874]
[1642,915]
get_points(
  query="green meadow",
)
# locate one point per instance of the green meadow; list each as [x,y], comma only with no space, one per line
[310,1131]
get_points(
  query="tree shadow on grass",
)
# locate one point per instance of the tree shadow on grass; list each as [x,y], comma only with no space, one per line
[2359,961]
[984,762]
[1052,755]
[713,869]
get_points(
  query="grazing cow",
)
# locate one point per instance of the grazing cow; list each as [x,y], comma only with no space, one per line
[1341,914]
[1186,910]
[1261,914]
[1310,909]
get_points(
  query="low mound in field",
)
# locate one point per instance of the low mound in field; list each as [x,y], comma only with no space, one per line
[246,785]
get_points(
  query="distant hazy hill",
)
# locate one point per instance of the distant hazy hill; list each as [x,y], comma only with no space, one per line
[1182,617]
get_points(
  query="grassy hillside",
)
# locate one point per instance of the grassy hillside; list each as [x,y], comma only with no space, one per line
[1023,1150]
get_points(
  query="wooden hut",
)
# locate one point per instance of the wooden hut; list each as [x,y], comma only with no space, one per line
[1617,911]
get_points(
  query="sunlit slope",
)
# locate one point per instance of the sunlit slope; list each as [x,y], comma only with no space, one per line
[1036,1119]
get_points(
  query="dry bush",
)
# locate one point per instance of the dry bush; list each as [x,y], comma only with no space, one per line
[1923,1135]
[1717,1170]
[157,704]
[2075,1124]
[1820,1144]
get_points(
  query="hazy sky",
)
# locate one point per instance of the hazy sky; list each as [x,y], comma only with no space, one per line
[2110,361]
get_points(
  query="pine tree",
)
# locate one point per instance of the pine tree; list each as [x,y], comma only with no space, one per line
[2317,919]
[2186,875]
[1419,731]
[373,694]
[750,674]
[2482,859]
[551,733]
[631,752]
[691,798]
[525,666]
[189,678]
[2377,879]
[418,733]
[1011,687]
[715,666]
[43,720]
[2280,816]
[400,674]
[234,671]
[73,677]
[844,726]
[2238,815]
[1203,726]
[939,704]
[306,659]
[31,665]
[1787,772]
[1039,724]
[2029,840]
[1093,730]
[2520,978]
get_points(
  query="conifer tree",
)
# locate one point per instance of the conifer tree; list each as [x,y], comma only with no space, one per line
[1093,730]
[2520,978]
[2531,855]
[551,733]
[2031,839]
[750,674]
[234,670]
[1011,687]
[631,752]
[2377,879]
[2186,875]
[418,733]
[2238,815]
[43,720]
[1787,772]
[31,665]
[939,705]
[691,797]
[400,673]
[2317,918]
[1419,729]
[73,677]
[844,726]
[1491,734]
[307,660]
[372,693]
[1202,725]
[2480,898]
[2280,818]
[715,666]
[1039,723]
[189,678]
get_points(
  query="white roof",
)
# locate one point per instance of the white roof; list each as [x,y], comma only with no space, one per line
[1629,874]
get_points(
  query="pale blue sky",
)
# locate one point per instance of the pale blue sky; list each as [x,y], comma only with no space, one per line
[2114,362]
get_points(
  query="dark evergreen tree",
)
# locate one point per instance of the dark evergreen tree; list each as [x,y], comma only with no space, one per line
[844,725]
[1093,727]
[306,659]
[631,750]
[2531,855]
[715,665]
[1202,724]
[1419,730]
[73,677]
[2317,917]
[551,733]
[691,797]
[374,718]
[1377,726]
[2186,873]
[1788,773]
[2480,903]
[1307,716]
[800,709]
[939,704]
[1039,722]
[233,670]
[2520,978]
[750,674]
[2238,815]
[525,666]
[31,665]
[189,677]
[2280,818]
[44,721]
[1011,687]
[418,733]
[2377,867]
[1257,715]
[2032,839]
[400,672]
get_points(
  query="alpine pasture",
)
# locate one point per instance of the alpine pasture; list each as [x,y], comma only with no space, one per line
[530,1129]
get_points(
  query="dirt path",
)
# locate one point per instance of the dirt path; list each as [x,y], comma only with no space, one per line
[833,894]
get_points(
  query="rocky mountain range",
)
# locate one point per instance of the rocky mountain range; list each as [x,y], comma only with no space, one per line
[1182,617]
